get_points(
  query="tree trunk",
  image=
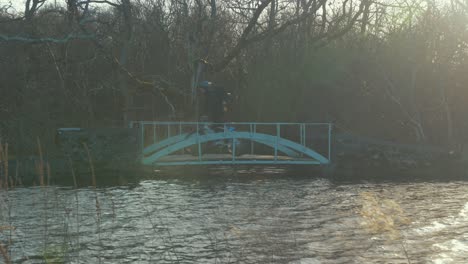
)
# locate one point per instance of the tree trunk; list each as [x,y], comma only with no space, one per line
[127,15]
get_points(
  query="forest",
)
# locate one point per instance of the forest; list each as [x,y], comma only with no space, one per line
[389,69]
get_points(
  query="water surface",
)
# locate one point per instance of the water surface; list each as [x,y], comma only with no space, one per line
[243,218]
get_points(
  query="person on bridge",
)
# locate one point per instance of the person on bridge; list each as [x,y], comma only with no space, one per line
[215,101]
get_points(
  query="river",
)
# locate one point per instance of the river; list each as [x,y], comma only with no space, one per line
[249,217]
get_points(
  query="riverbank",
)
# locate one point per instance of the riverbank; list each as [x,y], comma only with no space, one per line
[62,172]
[112,155]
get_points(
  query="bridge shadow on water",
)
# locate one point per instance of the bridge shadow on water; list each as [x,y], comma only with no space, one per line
[210,174]
[247,174]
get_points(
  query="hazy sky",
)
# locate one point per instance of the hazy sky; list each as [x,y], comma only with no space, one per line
[18,5]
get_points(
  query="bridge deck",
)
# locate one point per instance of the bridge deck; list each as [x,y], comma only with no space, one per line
[207,159]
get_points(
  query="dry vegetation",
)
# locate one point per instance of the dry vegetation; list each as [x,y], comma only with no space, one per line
[392,69]
[51,252]
[384,217]
[389,69]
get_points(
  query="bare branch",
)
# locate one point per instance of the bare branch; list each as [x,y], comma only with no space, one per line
[243,39]
[310,8]
[98,2]
[276,30]
[45,40]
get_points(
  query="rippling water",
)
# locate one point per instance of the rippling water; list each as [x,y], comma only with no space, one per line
[237,219]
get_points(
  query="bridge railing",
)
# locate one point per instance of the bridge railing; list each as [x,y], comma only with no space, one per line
[310,135]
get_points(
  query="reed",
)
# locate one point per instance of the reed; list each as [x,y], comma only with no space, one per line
[4,159]
[17,179]
[40,165]
[93,180]
[5,255]
[94,185]
[6,185]
[77,204]
[384,216]
[1,167]
[75,185]
[51,252]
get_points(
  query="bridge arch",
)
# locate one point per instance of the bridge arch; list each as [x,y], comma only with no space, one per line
[176,139]
[156,151]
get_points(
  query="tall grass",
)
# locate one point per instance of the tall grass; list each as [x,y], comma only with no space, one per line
[4,158]
[51,253]
[385,217]
[4,254]
[96,197]
[6,185]
[77,204]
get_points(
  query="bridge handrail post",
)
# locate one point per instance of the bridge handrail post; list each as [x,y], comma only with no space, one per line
[199,144]
[180,134]
[329,141]
[252,142]
[233,148]
[142,135]
[301,133]
[305,135]
[278,134]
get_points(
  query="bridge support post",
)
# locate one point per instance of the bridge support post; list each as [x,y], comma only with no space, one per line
[199,144]
[180,133]
[233,149]
[253,130]
[142,135]
[329,142]
[278,134]
[303,134]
